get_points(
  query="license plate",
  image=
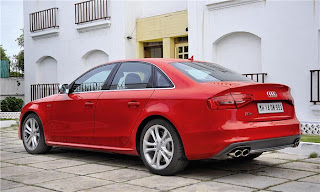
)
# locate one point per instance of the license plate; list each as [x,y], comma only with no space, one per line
[270,108]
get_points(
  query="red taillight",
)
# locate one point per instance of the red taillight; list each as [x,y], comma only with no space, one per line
[289,97]
[231,101]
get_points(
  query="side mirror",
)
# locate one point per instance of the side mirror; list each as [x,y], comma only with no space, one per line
[64,89]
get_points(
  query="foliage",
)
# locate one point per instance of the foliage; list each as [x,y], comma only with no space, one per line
[3,54]
[313,155]
[11,104]
[20,56]
[20,40]
[20,60]
[311,138]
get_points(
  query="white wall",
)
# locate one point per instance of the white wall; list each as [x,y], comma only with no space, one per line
[289,40]
[46,71]
[94,58]
[240,51]
[70,47]
[11,86]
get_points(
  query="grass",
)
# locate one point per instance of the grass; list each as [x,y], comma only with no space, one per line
[5,119]
[310,138]
[313,155]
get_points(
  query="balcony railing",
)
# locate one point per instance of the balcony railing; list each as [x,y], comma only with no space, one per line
[39,91]
[92,10]
[258,77]
[315,86]
[43,19]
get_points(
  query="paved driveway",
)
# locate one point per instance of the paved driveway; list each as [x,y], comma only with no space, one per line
[76,170]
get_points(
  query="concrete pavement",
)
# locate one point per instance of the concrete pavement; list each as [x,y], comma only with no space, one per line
[77,170]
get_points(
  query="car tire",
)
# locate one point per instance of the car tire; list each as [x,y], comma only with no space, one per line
[32,135]
[163,155]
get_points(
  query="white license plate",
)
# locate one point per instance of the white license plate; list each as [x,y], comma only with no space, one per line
[270,108]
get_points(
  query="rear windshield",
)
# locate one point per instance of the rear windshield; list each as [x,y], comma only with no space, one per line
[208,72]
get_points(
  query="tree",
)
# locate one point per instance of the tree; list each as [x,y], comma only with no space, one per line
[20,56]
[3,54]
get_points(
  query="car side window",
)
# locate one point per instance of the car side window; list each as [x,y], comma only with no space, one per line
[161,80]
[132,75]
[93,80]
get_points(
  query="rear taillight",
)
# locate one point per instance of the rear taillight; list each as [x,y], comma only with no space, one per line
[289,97]
[231,101]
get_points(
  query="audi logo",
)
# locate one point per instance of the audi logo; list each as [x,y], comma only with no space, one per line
[272,94]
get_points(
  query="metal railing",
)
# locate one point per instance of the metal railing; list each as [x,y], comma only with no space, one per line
[44,19]
[92,10]
[39,91]
[258,77]
[315,86]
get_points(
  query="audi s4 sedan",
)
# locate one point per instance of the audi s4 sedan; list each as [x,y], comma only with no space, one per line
[167,111]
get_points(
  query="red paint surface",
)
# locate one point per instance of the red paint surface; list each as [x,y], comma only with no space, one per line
[111,119]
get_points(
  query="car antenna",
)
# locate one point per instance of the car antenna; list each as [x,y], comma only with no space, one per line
[191,58]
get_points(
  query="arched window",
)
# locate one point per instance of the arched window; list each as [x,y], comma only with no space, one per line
[46,71]
[240,51]
[94,58]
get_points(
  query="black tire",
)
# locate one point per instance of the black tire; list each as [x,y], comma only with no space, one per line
[250,157]
[42,147]
[178,161]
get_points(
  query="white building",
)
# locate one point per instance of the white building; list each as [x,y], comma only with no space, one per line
[279,38]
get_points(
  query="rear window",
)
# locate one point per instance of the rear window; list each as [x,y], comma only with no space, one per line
[208,72]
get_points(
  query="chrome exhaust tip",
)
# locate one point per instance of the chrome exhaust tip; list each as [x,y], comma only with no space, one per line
[236,153]
[245,152]
[296,143]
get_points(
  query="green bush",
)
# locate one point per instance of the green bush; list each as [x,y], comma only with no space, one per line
[11,104]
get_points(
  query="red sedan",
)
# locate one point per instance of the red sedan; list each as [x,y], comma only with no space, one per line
[167,111]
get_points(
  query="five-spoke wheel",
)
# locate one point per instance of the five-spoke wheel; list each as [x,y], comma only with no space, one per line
[158,147]
[161,148]
[32,135]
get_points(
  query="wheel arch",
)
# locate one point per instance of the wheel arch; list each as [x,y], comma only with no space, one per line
[144,122]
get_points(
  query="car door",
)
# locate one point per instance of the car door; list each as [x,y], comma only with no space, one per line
[119,107]
[73,113]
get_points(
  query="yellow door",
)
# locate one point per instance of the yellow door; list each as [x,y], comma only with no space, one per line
[181,51]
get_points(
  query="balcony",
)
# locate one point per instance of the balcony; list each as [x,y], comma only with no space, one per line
[315,86]
[42,21]
[91,14]
[258,77]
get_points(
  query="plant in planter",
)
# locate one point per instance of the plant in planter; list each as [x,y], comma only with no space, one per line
[11,104]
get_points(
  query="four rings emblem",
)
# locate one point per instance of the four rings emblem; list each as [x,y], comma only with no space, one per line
[272,94]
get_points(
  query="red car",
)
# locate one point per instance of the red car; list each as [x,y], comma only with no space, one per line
[167,111]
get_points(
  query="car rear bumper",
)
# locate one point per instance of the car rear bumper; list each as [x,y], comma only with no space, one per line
[218,140]
[262,145]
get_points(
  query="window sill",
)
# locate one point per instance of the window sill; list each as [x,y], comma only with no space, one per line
[221,4]
[94,25]
[45,33]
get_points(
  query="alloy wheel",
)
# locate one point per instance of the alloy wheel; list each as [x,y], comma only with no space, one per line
[158,147]
[31,133]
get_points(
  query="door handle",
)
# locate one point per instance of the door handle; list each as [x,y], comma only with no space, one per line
[133,104]
[88,104]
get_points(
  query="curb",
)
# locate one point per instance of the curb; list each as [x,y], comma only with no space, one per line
[8,123]
[305,148]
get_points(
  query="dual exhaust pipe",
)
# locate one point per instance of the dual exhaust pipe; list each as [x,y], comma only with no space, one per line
[239,153]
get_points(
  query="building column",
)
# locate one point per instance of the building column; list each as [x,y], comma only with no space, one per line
[168,47]
[140,50]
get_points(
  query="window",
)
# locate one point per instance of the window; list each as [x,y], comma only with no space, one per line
[208,72]
[161,80]
[132,75]
[182,51]
[93,80]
